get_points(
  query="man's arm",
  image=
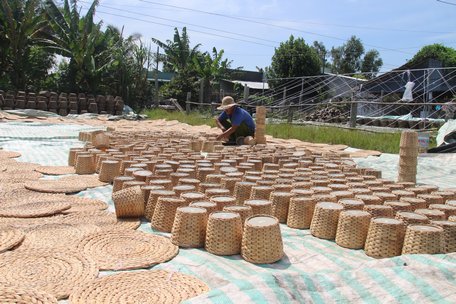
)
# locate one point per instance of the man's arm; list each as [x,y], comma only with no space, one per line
[227,133]
[219,124]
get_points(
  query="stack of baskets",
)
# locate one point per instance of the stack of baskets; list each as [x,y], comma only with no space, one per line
[408,157]
[260,130]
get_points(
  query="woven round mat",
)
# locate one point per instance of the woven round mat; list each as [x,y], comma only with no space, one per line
[55,186]
[9,238]
[13,294]
[9,154]
[100,218]
[34,209]
[155,286]
[121,249]
[51,236]
[55,271]
[19,176]
[27,223]
[56,170]
[90,181]
[83,204]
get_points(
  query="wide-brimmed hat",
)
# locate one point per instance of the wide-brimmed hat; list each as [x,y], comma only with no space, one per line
[227,102]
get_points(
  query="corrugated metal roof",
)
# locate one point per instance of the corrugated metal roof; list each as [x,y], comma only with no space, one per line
[252,84]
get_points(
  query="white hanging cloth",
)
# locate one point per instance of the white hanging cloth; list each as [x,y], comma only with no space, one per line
[408,95]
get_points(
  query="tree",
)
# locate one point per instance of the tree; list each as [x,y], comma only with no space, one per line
[320,48]
[78,38]
[21,25]
[438,51]
[294,58]
[346,59]
[371,64]
[179,54]
[211,69]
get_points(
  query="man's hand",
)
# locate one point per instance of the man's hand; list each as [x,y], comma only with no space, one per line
[221,137]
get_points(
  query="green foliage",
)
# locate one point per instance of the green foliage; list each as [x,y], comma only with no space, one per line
[438,51]
[21,26]
[294,58]
[371,64]
[348,59]
[322,52]
[178,87]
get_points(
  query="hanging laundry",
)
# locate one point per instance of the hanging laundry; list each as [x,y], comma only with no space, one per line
[408,96]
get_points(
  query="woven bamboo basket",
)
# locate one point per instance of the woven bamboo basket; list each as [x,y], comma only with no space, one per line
[418,190]
[109,170]
[321,190]
[224,233]
[242,191]
[262,240]
[338,187]
[191,197]
[146,190]
[132,183]
[351,203]
[142,175]
[154,195]
[369,199]
[183,189]
[448,209]
[399,206]
[223,201]
[379,210]
[85,164]
[190,181]
[431,199]
[230,182]
[280,204]
[324,198]
[100,141]
[451,203]
[432,214]
[189,228]
[403,193]
[119,181]
[423,239]
[412,218]
[243,211]
[325,219]
[385,238]
[129,202]
[447,195]
[261,192]
[343,194]
[164,213]
[166,183]
[259,206]
[209,206]
[205,186]
[300,212]
[416,203]
[72,156]
[449,235]
[212,192]
[352,229]
[130,171]
[385,196]
[214,178]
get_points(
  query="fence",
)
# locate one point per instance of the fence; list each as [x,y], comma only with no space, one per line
[419,98]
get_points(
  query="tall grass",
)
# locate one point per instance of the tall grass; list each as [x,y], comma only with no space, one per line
[384,142]
[194,118]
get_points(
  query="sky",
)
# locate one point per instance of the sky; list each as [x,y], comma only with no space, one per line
[250,30]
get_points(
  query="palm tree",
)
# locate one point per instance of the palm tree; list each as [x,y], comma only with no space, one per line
[211,69]
[21,24]
[179,55]
[78,38]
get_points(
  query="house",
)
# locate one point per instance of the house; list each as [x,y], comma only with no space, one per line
[255,81]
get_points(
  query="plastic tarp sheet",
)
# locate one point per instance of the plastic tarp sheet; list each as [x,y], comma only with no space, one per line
[447,133]
[312,270]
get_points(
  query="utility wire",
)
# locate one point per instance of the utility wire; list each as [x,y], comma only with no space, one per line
[268,24]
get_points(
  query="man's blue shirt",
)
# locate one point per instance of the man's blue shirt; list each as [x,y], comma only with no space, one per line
[238,117]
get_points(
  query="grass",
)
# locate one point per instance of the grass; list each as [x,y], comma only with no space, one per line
[384,142]
[194,118]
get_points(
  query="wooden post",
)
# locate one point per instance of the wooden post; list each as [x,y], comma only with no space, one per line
[246,94]
[353,113]
[290,114]
[201,97]
[157,101]
[187,102]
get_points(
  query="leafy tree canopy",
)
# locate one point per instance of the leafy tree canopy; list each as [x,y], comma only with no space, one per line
[438,51]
